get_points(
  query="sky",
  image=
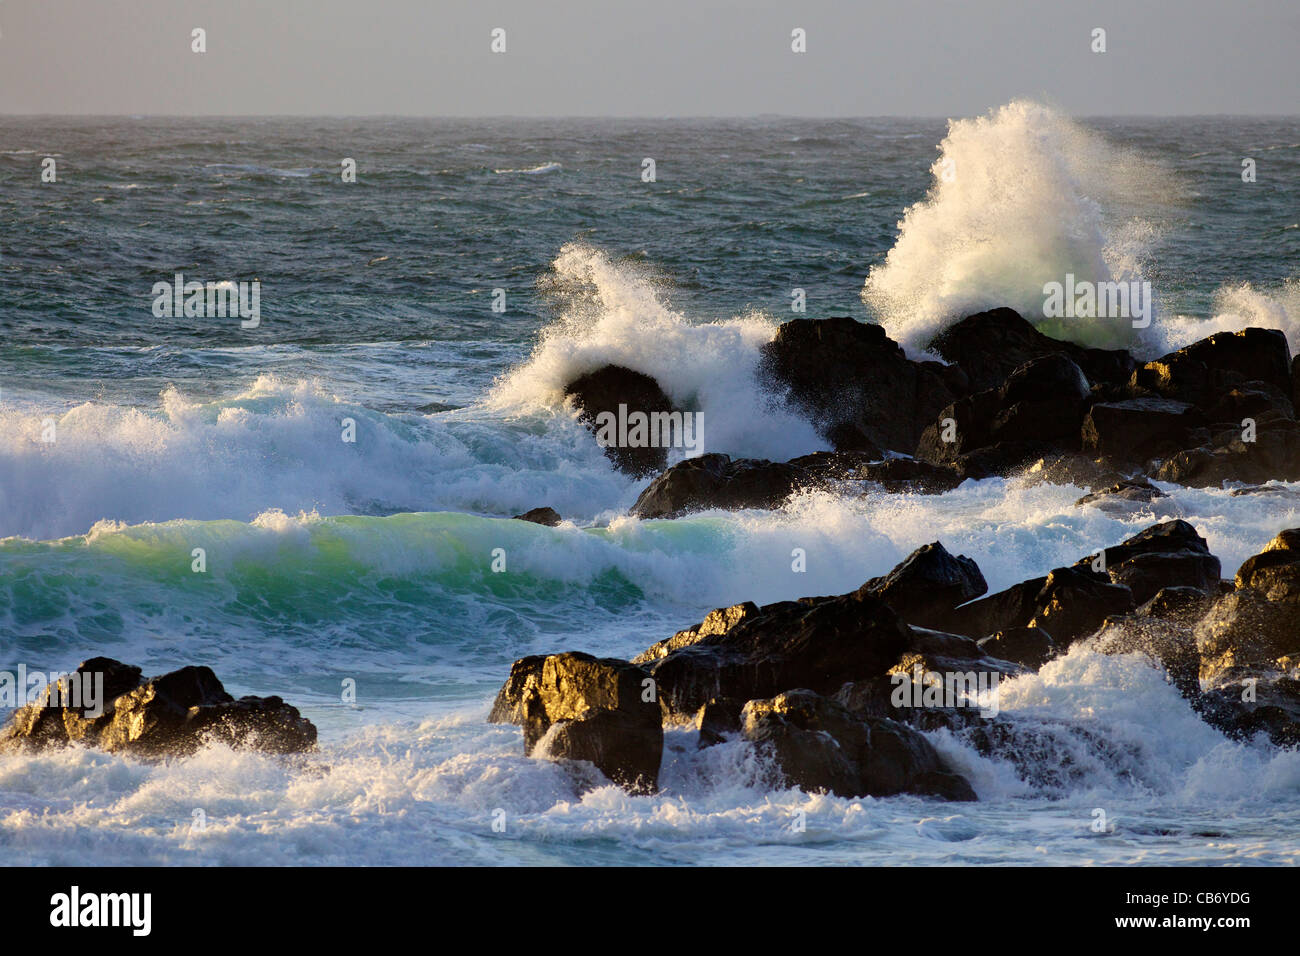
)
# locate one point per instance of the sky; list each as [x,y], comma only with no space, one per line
[655,58]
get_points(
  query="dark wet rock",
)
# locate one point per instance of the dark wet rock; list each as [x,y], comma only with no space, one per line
[1273,455]
[928,584]
[1055,755]
[1030,647]
[1255,629]
[508,708]
[820,746]
[1075,601]
[1140,429]
[1002,459]
[171,715]
[578,707]
[818,643]
[1036,411]
[544,516]
[1273,566]
[848,437]
[717,719]
[1131,490]
[1267,704]
[910,474]
[717,481]
[603,391]
[839,372]
[1009,608]
[1165,555]
[835,465]
[990,345]
[1204,371]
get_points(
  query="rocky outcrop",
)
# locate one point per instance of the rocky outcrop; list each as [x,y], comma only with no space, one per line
[1071,603]
[1036,411]
[604,391]
[841,372]
[818,745]
[718,481]
[577,707]
[988,346]
[1253,359]
[113,708]
[1140,428]
[816,643]
[928,585]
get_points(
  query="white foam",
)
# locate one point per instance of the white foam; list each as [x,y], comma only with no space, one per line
[1020,197]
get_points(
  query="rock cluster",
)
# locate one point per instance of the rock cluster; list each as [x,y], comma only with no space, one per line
[815,683]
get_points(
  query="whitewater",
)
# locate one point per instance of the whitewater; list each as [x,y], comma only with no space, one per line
[330,561]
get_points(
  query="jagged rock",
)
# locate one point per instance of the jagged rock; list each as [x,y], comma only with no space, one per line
[1030,647]
[1140,428]
[928,584]
[1036,411]
[1074,469]
[1010,608]
[1164,629]
[990,345]
[848,437]
[819,643]
[843,372]
[544,516]
[174,714]
[819,746]
[718,621]
[716,481]
[835,465]
[578,707]
[1204,371]
[1074,602]
[1168,554]
[603,391]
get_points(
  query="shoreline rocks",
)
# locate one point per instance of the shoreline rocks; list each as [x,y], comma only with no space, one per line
[827,687]
[1013,401]
[171,715]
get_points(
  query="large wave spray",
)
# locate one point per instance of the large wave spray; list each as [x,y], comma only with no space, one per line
[613,313]
[1021,197]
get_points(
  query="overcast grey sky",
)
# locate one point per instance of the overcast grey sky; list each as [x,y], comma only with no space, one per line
[650,58]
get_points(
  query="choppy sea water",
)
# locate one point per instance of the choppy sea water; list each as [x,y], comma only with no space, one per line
[370,561]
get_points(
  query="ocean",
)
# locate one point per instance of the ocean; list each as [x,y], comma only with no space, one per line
[369,561]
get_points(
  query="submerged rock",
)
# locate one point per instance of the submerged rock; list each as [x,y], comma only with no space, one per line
[543,516]
[174,714]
